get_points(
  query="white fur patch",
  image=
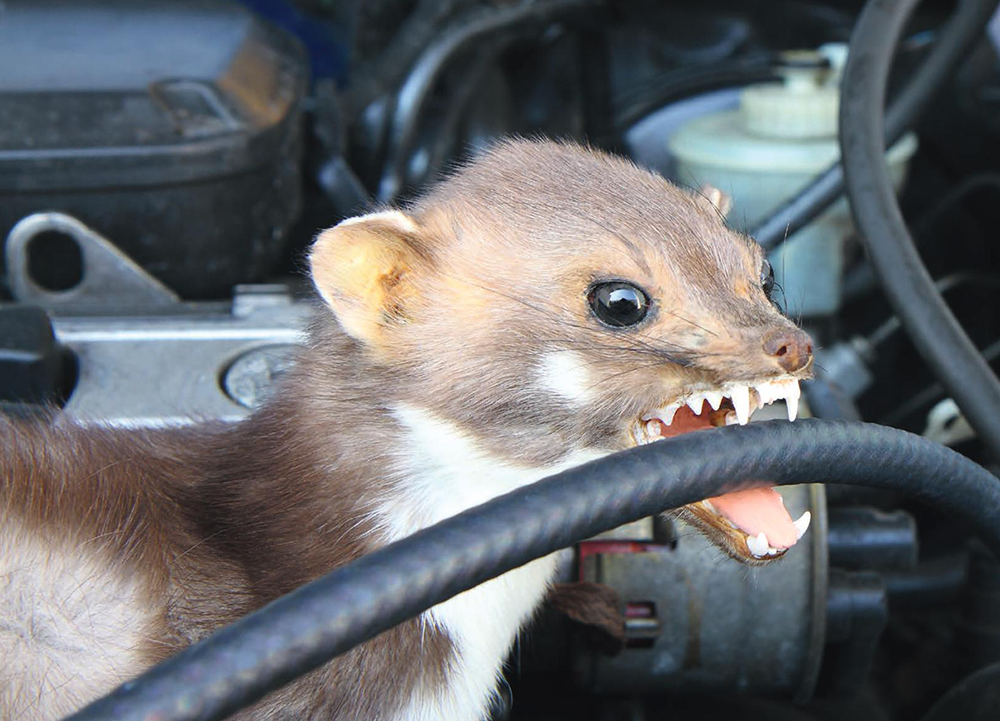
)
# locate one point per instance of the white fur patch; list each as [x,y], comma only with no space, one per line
[444,472]
[70,624]
[565,374]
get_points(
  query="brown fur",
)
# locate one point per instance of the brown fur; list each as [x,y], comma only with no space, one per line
[450,308]
[597,611]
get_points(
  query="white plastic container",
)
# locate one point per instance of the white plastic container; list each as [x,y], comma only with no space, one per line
[768,149]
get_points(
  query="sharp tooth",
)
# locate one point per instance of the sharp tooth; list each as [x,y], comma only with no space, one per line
[802,525]
[792,399]
[695,403]
[758,544]
[766,393]
[741,403]
[731,419]
[714,399]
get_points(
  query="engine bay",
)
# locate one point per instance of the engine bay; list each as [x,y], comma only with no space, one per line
[165,165]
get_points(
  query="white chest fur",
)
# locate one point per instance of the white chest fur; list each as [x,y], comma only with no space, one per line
[444,472]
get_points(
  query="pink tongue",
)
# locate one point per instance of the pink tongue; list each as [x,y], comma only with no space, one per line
[758,510]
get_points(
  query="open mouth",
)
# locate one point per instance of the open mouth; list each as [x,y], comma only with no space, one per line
[752,525]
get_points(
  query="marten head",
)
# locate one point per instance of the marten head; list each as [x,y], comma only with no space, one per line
[547,299]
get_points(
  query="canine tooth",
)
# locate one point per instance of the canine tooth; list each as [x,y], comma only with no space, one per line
[758,544]
[714,399]
[802,524]
[741,403]
[792,400]
[695,403]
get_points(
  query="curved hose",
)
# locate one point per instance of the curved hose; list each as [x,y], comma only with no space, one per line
[962,30]
[417,87]
[934,329]
[296,633]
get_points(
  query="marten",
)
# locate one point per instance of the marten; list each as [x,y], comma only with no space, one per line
[542,306]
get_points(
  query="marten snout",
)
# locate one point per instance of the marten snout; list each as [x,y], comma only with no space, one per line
[791,347]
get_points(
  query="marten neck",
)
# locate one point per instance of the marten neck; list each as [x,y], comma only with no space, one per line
[340,461]
[289,493]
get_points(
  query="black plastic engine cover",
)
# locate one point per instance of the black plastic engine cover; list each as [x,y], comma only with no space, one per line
[172,128]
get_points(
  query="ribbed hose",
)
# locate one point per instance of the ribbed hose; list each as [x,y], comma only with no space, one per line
[298,632]
[953,44]
[934,329]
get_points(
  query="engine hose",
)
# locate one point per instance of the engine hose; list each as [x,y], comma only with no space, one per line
[962,30]
[416,89]
[910,289]
[296,633]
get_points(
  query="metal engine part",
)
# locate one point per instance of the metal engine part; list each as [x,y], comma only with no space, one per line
[697,621]
[210,361]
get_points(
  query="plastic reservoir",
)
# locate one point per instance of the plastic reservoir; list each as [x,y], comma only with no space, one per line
[767,149]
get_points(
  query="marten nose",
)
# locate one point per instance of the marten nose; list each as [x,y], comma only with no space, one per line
[790,347]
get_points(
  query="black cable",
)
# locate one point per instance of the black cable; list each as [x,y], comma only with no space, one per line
[961,31]
[929,394]
[936,333]
[687,81]
[420,81]
[263,651]
[954,198]
[945,285]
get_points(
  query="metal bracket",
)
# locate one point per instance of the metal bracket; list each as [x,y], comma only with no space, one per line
[110,278]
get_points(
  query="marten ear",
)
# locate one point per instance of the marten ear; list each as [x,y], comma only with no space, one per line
[363,268]
[716,199]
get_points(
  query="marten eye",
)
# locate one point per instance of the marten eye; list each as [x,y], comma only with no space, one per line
[618,304]
[767,278]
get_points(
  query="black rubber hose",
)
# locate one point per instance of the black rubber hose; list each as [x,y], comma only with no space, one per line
[298,632]
[958,35]
[685,82]
[910,289]
[417,87]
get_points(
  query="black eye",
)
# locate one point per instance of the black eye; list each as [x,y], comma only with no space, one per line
[618,304]
[767,278]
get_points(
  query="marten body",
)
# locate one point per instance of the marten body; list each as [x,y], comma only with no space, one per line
[464,349]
